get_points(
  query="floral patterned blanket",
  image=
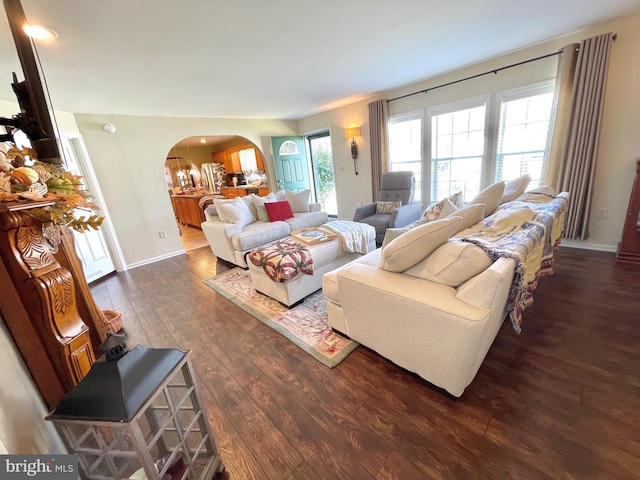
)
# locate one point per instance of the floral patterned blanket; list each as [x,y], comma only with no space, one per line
[283,260]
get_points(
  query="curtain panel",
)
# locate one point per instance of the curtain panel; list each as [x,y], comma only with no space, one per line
[576,129]
[378,121]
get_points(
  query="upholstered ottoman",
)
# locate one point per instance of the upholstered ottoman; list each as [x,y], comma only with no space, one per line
[327,256]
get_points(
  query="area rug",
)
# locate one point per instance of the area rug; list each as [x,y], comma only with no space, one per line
[306,324]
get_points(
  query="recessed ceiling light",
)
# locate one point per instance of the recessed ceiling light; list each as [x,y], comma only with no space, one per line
[202,140]
[40,32]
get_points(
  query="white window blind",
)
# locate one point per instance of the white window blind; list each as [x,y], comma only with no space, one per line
[457,147]
[524,125]
[405,147]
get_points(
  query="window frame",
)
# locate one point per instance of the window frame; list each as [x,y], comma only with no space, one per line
[517,93]
[405,117]
[450,107]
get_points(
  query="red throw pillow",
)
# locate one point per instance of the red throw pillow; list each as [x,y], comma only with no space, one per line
[278,210]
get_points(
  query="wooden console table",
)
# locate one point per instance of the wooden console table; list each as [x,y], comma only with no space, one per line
[629,247]
[46,302]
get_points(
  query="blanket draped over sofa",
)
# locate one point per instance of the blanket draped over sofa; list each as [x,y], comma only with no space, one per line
[522,231]
[354,237]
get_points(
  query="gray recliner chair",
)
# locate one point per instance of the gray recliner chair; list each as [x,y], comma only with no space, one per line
[395,186]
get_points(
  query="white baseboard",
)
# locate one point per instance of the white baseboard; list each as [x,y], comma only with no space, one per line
[588,245]
[154,259]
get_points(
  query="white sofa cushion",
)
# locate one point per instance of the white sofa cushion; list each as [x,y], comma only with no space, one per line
[236,211]
[514,188]
[299,201]
[452,263]
[216,206]
[490,196]
[471,214]
[257,234]
[307,219]
[411,247]
[393,233]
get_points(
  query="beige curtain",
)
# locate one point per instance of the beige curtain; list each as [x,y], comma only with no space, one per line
[561,114]
[378,120]
[577,166]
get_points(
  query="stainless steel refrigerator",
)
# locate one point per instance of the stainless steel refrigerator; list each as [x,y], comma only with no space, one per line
[213,176]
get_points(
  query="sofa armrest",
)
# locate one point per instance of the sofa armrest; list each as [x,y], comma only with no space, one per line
[219,235]
[364,211]
[314,207]
[404,215]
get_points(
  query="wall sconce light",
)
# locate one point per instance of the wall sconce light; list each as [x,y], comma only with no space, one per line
[352,133]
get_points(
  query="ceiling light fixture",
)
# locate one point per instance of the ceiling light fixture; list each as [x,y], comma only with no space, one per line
[203,140]
[39,32]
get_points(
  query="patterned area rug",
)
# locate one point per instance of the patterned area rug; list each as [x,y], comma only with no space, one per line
[306,324]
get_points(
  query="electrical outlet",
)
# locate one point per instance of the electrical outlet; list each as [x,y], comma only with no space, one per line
[358,204]
[162,234]
[602,213]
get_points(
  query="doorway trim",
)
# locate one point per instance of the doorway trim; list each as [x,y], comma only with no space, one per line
[82,155]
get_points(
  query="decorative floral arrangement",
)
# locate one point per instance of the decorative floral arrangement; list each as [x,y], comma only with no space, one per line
[23,178]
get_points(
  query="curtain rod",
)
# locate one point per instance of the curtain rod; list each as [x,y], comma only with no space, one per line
[496,70]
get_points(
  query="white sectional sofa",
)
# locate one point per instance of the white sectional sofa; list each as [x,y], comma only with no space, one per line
[433,304]
[235,227]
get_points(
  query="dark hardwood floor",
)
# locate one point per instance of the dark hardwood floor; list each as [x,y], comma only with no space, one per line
[559,401]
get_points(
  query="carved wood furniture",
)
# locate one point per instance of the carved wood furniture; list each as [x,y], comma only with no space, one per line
[629,247]
[44,300]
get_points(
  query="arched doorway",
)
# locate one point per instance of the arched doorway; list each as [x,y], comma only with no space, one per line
[200,168]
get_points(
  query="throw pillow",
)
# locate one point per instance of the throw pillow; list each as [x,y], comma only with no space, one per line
[439,209]
[393,233]
[452,263]
[278,210]
[248,200]
[236,211]
[457,199]
[471,214]
[414,245]
[299,201]
[490,196]
[281,195]
[258,203]
[216,204]
[514,188]
[387,207]
[541,194]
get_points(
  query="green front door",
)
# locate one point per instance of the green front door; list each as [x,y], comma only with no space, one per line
[290,161]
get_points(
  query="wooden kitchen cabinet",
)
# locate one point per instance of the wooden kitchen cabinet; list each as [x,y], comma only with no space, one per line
[230,158]
[187,210]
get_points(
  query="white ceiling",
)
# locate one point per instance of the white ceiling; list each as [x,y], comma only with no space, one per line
[282,59]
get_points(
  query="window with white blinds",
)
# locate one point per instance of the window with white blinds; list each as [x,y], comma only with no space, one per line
[522,138]
[457,147]
[405,147]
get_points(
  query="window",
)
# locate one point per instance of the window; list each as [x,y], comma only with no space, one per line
[524,124]
[474,142]
[457,147]
[405,147]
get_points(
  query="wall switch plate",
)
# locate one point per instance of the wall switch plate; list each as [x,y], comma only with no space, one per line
[162,234]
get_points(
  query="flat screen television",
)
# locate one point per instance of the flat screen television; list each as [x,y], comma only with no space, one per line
[36,115]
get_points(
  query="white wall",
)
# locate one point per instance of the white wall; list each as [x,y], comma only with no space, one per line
[619,142]
[23,428]
[129,166]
